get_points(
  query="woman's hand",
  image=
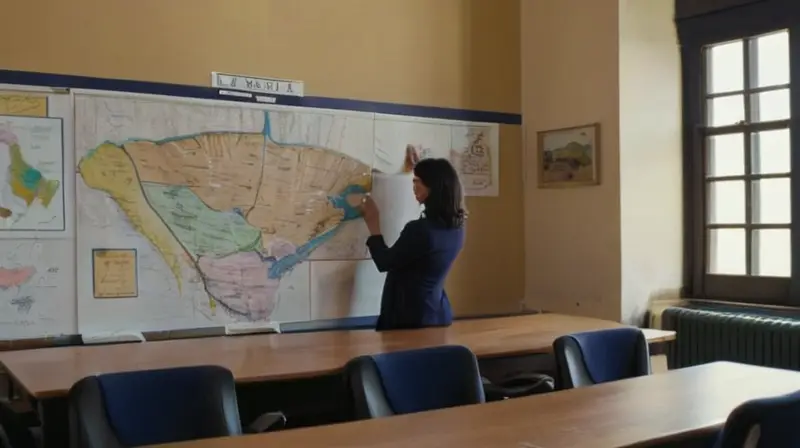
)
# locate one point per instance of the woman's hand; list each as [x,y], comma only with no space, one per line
[371,215]
[412,158]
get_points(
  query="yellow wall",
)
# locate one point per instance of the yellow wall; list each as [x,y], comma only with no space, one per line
[573,240]
[450,53]
[605,251]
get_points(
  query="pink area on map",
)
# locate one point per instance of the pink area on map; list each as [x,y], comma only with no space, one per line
[240,283]
[11,278]
[7,137]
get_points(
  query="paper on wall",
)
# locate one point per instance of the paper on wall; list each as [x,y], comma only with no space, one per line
[394,196]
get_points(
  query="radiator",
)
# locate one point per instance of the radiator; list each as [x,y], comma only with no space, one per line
[705,336]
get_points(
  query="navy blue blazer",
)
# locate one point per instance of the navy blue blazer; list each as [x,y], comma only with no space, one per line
[416,267]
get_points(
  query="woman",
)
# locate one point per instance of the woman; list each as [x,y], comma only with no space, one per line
[417,264]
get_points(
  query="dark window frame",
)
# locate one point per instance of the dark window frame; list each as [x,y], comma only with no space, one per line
[695,34]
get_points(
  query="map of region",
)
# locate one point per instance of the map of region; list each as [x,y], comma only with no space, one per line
[472,156]
[31,174]
[37,284]
[231,211]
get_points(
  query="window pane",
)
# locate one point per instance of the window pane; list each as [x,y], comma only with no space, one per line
[772,252]
[772,59]
[727,252]
[770,152]
[771,106]
[772,202]
[726,202]
[725,67]
[726,155]
[725,111]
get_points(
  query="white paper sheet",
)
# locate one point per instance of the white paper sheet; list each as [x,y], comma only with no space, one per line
[394,196]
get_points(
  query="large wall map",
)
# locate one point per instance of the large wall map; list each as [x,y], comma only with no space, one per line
[195,214]
[220,204]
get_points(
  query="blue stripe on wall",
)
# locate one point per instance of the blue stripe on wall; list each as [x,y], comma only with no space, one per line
[178,90]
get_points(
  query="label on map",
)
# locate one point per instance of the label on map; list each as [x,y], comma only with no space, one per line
[257,85]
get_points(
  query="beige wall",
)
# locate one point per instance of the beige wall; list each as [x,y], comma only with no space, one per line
[570,75]
[651,205]
[603,251]
[452,53]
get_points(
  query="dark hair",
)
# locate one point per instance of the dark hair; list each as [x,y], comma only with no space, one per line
[444,205]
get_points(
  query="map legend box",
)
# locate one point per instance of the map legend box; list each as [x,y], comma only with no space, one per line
[115,273]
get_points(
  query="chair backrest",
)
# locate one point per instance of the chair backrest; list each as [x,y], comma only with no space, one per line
[413,381]
[763,423]
[149,407]
[593,357]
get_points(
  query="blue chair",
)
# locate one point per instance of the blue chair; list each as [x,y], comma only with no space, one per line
[594,357]
[413,381]
[763,423]
[149,407]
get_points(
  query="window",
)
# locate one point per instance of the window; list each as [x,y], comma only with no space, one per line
[747,152]
[740,148]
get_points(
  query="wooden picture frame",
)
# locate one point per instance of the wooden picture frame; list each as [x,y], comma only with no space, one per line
[569,157]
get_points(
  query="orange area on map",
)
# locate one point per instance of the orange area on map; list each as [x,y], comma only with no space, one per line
[281,189]
[222,169]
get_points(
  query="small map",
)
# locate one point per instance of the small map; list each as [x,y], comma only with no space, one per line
[115,273]
[37,288]
[28,105]
[31,174]
[472,157]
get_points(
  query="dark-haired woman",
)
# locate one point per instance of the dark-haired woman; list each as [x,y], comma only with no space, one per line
[418,263]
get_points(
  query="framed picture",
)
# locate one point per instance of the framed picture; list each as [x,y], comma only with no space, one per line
[569,157]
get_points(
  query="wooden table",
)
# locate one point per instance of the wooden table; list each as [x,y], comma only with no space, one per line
[47,374]
[50,372]
[637,412]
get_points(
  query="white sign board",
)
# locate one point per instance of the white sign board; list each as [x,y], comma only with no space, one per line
[269,86]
